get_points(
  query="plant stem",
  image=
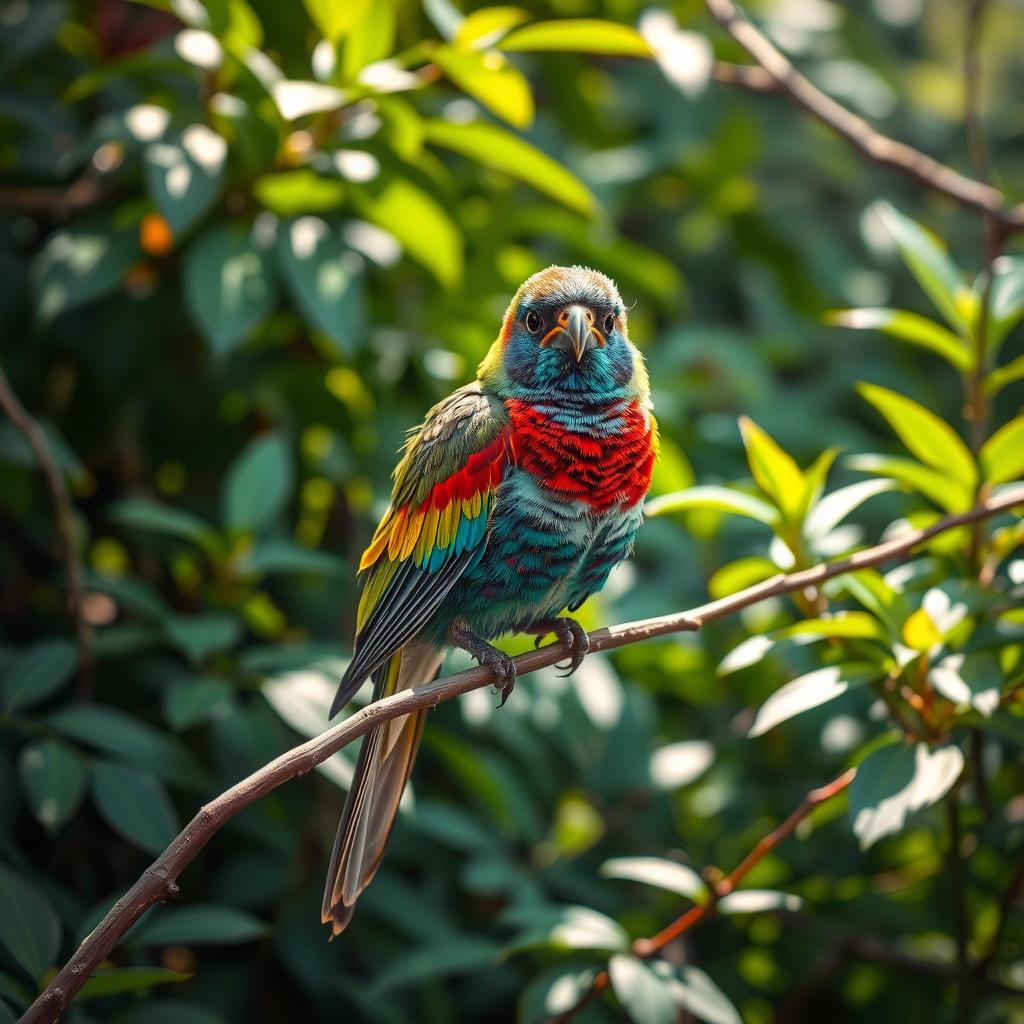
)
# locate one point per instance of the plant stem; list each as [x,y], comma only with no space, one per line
[957,875]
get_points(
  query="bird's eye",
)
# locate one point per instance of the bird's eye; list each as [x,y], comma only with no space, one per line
[609,323]
[533,322]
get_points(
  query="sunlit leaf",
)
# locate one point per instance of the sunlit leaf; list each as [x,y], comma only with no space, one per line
[693,990]
[679,764]
[486,26]
[948,494]
[1002,455]
[290,193]
[722,499]
[831,510]
[972,679]
[53,777]
[579,35]
[185,174]
[566,928]
[806,692]
[492,146]
[924,434]
[645,997]
[135,804]
[894,782]
[1006,300]
[774,470]
[919,631]
[489,77]
[739,575]
[258,483]
[335,18]
[657,872]
[909,327]
[757,901]
[372,38]
[1008,374]
[37,672]
[815,478]
[29,928]
[554,992]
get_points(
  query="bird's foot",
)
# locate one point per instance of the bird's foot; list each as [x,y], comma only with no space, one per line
[503,667]
[571,633]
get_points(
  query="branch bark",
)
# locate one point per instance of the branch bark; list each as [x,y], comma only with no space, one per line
[879,148]
[159,880]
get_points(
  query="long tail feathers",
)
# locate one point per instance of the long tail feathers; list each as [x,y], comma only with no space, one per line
[384,764]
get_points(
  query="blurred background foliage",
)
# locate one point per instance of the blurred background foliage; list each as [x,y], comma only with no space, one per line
[244,245]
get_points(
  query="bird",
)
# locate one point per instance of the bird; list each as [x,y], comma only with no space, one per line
[512,503]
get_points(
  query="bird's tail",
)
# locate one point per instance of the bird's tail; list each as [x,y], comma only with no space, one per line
[382,769]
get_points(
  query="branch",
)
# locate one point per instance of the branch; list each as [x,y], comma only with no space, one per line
[881,149]
[158,881]
[33,433]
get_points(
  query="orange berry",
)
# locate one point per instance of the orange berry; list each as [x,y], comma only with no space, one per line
[155,235]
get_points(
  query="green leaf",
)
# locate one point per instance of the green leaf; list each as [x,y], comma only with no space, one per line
[696,992]
[185,175]
[554,992]
[29,927]
[492,146]
[1006,300]
[199,636]
[230,286]
[283,556]
[489,77]
[336,18]
[927,437]
[739,575]
[53,777]
[722,499]
[831,510]
[168,1011]
[199,925]
[757,901]
[896,781]
[806,692]
[259,483]
[112,981]
[944,492]
[1008,374]
[655,871]
[291,193]
[566,928]
[849,625]
[118,733]
[190,702]
[774,470]
[325,279]
[869,588]
[153,517]
[909,327]
[1002,455]
[135,804]
[486,26]
[972,679]
[645,997]
[930,264]
[815,478]
[37,672]
[581,35]
[419,222]
[371,39]
[447,955]
[81,264]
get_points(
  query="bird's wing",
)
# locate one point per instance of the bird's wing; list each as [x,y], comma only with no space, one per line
[435,527]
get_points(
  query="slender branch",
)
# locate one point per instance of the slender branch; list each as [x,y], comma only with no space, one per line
[961,928]
[881,149]
[33,433]
[159,879]
[697,913]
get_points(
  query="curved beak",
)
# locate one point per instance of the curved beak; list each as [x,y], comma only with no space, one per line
[576,323]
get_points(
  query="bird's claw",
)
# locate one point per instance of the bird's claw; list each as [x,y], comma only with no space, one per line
[571,633]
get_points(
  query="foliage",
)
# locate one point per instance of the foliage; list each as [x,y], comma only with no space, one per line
[245,245]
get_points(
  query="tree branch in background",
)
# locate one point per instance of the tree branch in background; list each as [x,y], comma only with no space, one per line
[978,195]
[64,514]
[158,882]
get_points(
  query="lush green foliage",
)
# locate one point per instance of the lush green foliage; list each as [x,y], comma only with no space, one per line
[245,244]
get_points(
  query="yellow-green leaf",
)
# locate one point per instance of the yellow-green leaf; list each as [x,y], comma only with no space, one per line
[948,494]
[419,222]
[920,632]
[739,575]
[371,39]
[1002,455]
[721,499]
[928,437]
[335,18]
[774,470]
[290,193]
[583,35]
[909,327]
[1008,374]
[486,26]
[494,147]
[814,479]
[489,77]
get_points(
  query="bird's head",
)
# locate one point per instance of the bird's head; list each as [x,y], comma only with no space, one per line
[564,334]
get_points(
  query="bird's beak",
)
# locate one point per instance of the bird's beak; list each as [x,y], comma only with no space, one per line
[577,324]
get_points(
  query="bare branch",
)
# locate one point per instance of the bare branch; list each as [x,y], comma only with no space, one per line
[156,882]
[33,433]
[881,149]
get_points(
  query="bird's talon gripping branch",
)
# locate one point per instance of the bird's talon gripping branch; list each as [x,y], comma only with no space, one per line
[503,667]
[570,632]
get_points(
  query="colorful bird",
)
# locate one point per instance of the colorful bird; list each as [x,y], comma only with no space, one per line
[512,502]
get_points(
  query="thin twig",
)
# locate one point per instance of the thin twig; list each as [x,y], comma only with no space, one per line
[855,130]
[696,913]
[64,516]
[154,885]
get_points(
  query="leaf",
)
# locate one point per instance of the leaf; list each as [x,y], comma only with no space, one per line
[849,625]
[120,734]
[297,99]
[909,327]
[944,492]
[199,636]
[336,18]
[930,264]
[739,575]
[1002,455]
[696,992]
[685,58]
[757,901]
[283,556]
[112,981]
[679,764]
[1008,374]
[190,702]
[259,483]
[491,79]
[135,804]
[722,499]
[37,672]
[291,193]
[29,927]
[371,39]
[81,264]
[806,692]
[486,26]
[154,517]
[53,777]
[774,470]
[495,147]
[229,284]
[325,279]
[554,992]
[919,631]
[417,220]
[815,478]
[645,997]
[447,955]
[581,35]
[657,872]
[185,176]
[831,510]
[198,925]
[972,679]
[896,781]
[1006,300]
[565,928]
[927,437]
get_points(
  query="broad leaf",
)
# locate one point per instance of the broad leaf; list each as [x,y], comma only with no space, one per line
[53,777]
[259,483]
[186,174]
[566,928]
[29,928]
[806,692]
[111,981]
[909,327]
[1002,455]
[490,78]
[696,992]
[722,499]
[554,992]
[948,494]
[189,702]
[336,18]
[199,925]
[486,26]
[757,901]
[831,510]
[284,556]
[36,672]
[135,804]
[972,679]
[291,193]
[774,470]
[739,575]
[679,764]
[169,520]
[654,871]
[447,955]
[1008,374]
[1006,301]
[646,998]
[579,36]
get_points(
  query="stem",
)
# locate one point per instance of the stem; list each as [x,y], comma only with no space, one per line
[957,874]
